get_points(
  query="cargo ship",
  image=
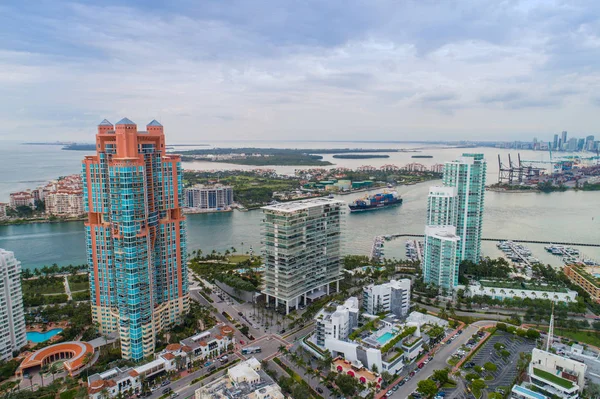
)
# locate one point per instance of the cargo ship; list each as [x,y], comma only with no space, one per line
[377,201]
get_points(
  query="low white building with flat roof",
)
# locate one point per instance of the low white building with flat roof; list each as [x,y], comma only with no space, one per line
[519,290]
[243,381]
[556,375]
[247,371]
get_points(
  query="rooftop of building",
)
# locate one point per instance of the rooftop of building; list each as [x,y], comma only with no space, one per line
[97,382]
[333,307]
[125,121]
[355,370]
[293,206]
[202,339]
[521,285]
[227,387]
[521,390]
[248,369]
[397,284]
[208,186]
[444,232]
[553,378]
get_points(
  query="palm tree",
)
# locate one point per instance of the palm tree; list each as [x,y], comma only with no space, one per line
[53,370]
[43,371]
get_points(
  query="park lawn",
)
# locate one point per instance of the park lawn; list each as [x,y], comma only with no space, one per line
[579,336]
[54,288]
[78,285]
[237,258]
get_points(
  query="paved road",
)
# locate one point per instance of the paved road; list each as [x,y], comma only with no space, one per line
[183,387]
[439,359]
[68,289]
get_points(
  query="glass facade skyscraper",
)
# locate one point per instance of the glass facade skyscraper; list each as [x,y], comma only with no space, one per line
[454,220]
[302,244]
[467,175]
[135,235]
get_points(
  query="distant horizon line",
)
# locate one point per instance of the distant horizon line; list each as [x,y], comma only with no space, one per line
[63,142]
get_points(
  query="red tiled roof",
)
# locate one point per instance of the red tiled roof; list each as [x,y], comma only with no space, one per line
[168,356]
[173,347]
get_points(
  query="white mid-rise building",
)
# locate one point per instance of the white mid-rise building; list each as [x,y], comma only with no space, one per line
[12,318]
[557,375]
[336,321]
[201,197]
[393,296]
[65,203]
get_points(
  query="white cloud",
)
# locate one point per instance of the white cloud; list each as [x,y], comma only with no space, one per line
[382,69]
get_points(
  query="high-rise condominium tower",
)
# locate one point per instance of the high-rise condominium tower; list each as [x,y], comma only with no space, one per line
[12,317]
[135,235]
[454,220]
[302,243]
[467,175]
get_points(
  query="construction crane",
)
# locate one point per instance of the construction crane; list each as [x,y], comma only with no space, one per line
[517,173]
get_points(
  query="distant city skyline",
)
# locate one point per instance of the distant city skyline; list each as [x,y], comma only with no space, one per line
[280,70]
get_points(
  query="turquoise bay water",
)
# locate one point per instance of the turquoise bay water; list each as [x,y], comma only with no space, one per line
[37,337]
[385,338]
[567,216]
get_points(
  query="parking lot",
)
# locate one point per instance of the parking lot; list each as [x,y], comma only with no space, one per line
[506,367]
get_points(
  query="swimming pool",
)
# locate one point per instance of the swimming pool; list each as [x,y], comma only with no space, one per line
[385,338]
[37,337]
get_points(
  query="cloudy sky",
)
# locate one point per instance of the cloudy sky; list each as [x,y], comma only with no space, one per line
[305,69]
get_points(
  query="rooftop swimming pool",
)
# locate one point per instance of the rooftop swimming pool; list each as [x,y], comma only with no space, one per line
[385,338]
[37,337]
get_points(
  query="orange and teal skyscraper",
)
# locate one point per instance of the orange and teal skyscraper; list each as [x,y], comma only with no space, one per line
[135,235]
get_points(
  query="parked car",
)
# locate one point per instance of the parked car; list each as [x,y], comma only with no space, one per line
[319,389]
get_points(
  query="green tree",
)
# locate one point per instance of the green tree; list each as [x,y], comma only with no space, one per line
[427,388]
[592,391]
[441,376]
[300,391]
[387,376]
[533,334]
[347,384]
[489,366]
[477,386]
